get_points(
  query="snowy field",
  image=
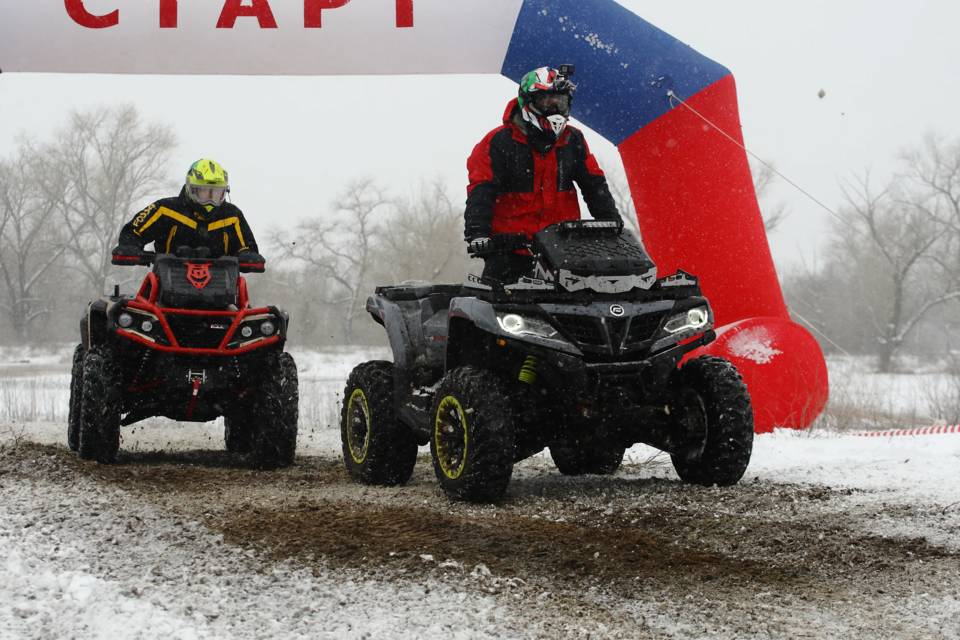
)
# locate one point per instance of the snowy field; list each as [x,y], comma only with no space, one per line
[830,533]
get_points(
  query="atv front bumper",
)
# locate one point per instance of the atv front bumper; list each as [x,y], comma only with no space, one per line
[617,386]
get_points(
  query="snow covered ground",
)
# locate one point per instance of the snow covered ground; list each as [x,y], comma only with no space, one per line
[853,535]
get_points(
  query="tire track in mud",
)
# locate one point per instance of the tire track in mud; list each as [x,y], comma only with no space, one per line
[752,533]
[646,538]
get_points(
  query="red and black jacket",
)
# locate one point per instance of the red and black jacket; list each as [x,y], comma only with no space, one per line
[176,222]
[521,183]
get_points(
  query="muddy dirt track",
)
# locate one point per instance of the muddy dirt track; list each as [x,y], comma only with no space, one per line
[620,556]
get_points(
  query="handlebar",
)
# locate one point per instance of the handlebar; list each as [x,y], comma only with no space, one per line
[133,257]
[136,257]
[503,243]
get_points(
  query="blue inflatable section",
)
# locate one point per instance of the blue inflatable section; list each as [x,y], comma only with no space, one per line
[625,65]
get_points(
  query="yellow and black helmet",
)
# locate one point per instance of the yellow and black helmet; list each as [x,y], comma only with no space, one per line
[207,183]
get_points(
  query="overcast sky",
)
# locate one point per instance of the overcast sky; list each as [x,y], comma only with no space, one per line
[888,70]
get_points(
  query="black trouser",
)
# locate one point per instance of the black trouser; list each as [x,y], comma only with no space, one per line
[507,268]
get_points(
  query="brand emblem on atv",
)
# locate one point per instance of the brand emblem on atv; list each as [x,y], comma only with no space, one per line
[198,275]
[617,311]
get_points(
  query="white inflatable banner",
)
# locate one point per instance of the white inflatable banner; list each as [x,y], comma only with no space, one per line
[254,37]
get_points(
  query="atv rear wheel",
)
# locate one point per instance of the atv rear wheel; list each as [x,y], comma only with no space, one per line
[711,393]
[473,436]
[100,406]
[277,411]
[377,448]
[577,456]
[76,394]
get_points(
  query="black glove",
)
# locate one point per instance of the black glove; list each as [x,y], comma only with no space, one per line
[128,254]
[479,247]
[501,243]
[252,262]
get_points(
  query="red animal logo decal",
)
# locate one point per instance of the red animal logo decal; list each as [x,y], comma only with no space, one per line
[198,275]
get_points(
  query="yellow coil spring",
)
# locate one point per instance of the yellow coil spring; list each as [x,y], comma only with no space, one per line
[528,372]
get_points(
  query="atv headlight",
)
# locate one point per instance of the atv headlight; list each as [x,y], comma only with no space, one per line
[268,328]
[246,331]
[511,323]
[125,320]
[146,326]
[520,326]
[693,320]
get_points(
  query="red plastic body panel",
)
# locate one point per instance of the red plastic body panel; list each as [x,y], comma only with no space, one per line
[701,215]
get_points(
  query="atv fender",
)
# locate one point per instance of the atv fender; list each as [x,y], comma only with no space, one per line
[390,315]
[94,326]
[472,323]
[417,331]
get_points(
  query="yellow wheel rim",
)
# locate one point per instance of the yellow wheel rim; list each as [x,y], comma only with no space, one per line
[451,437]
[358,426]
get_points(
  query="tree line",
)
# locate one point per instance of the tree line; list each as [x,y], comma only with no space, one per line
[887,286]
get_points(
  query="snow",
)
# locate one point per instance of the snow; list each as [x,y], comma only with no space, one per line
[181,580]
[754,344]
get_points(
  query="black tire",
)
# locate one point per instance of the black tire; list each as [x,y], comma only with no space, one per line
[276,413]
[100,407]
[479,470]
[238,435]
[721,398]
[76,394]
[587,454]
[377,448]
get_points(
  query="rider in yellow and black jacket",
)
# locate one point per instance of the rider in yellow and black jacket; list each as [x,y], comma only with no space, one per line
[198,217]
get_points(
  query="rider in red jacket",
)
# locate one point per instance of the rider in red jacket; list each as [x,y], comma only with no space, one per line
[522,173]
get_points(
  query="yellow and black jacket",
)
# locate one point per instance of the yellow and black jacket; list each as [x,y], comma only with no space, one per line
[177,222]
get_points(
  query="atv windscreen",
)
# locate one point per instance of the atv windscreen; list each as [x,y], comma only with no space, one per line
[197,283]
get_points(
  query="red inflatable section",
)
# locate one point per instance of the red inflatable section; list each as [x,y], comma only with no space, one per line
[698,212]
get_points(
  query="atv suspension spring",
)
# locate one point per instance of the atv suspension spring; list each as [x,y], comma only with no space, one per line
[528,372]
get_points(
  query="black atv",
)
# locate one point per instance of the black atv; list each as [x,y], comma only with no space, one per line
[581,356]
[189,347]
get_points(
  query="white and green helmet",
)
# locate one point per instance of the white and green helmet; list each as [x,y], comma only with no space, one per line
[545,97]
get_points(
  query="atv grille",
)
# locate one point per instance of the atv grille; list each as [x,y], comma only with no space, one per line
[583,329]
[195,332]
[643,327]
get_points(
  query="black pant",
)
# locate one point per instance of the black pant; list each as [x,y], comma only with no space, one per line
[507,268]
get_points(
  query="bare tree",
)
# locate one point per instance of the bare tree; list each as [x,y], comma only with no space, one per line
[425,238]
[934,171]
[339,247]
[104,166]
[764,176]
[894,244]
[28,243]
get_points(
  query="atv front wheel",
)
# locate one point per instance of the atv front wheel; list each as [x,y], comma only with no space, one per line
[711,394]
[577,456]
[377,448]
[238,435]
[473,436]
[76,395]
[100,406]
[277,412]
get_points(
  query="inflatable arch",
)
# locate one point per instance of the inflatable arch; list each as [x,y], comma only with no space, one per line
[691,184]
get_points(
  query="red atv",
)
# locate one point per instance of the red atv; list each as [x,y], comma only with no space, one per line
[188,347]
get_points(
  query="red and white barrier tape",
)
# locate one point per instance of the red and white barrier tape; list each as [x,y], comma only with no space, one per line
[922,431]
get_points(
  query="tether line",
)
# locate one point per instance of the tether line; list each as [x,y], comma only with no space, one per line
[674,97]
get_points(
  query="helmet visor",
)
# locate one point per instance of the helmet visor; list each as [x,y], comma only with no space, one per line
[552,104]
[204,194]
